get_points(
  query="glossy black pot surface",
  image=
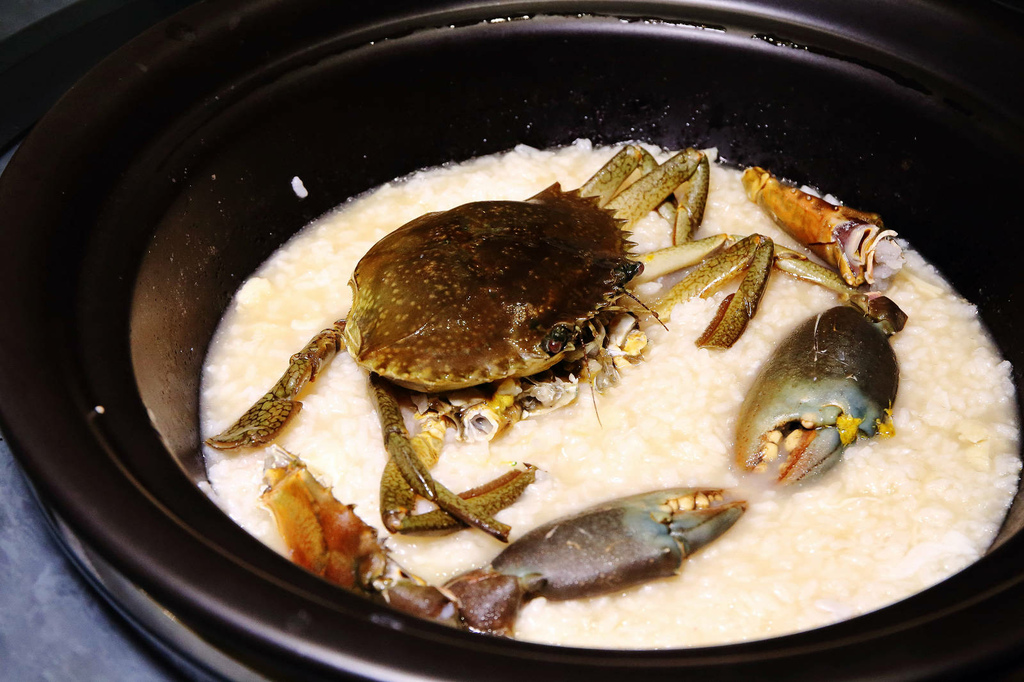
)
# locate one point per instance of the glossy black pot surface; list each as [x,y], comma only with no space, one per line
[161,180]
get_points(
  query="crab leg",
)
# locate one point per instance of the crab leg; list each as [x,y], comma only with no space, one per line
[737,309]
[410,471]
[710,274]
[649,191]
[603,549]
[327,538]
[855,242]
[606,182]
[262,422]
[674,258]
[693,198]
[397,498]
[488,499]
[397,442]
[834,378]
[753,254]
[610,177]
[797,264]
[756,254]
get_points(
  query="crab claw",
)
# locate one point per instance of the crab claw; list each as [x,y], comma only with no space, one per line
[603,549]
[834,378]
[854,242]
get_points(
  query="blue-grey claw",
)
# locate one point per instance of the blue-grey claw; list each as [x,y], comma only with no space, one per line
[834,378]
[603,549]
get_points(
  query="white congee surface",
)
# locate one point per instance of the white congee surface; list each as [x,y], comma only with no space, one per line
[894,517]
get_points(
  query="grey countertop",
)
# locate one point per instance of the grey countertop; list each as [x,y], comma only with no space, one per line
[53,626]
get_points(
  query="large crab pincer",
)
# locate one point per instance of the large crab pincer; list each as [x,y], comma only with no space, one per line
[604,549]
[834,378]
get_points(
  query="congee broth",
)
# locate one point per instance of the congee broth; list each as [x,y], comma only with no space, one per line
[895,516]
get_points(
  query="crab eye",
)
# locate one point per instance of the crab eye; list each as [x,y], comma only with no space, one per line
[557,338]
[627,270]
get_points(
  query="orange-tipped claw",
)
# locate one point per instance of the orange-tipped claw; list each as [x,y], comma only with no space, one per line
[854,242]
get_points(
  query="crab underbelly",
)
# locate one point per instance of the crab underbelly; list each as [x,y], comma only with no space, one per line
[421,373]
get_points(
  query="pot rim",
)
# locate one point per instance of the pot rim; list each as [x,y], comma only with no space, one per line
[63,442]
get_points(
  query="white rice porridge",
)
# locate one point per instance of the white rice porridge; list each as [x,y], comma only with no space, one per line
[894,517]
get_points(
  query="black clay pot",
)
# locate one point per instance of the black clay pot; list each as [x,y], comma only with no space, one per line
[161,180]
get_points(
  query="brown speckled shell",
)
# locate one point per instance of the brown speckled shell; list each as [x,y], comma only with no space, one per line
[464,297]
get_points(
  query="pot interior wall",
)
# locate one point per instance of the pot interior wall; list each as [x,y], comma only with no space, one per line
[216,186]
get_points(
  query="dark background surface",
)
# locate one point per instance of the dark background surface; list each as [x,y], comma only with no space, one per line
[53,626]
[46,45]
